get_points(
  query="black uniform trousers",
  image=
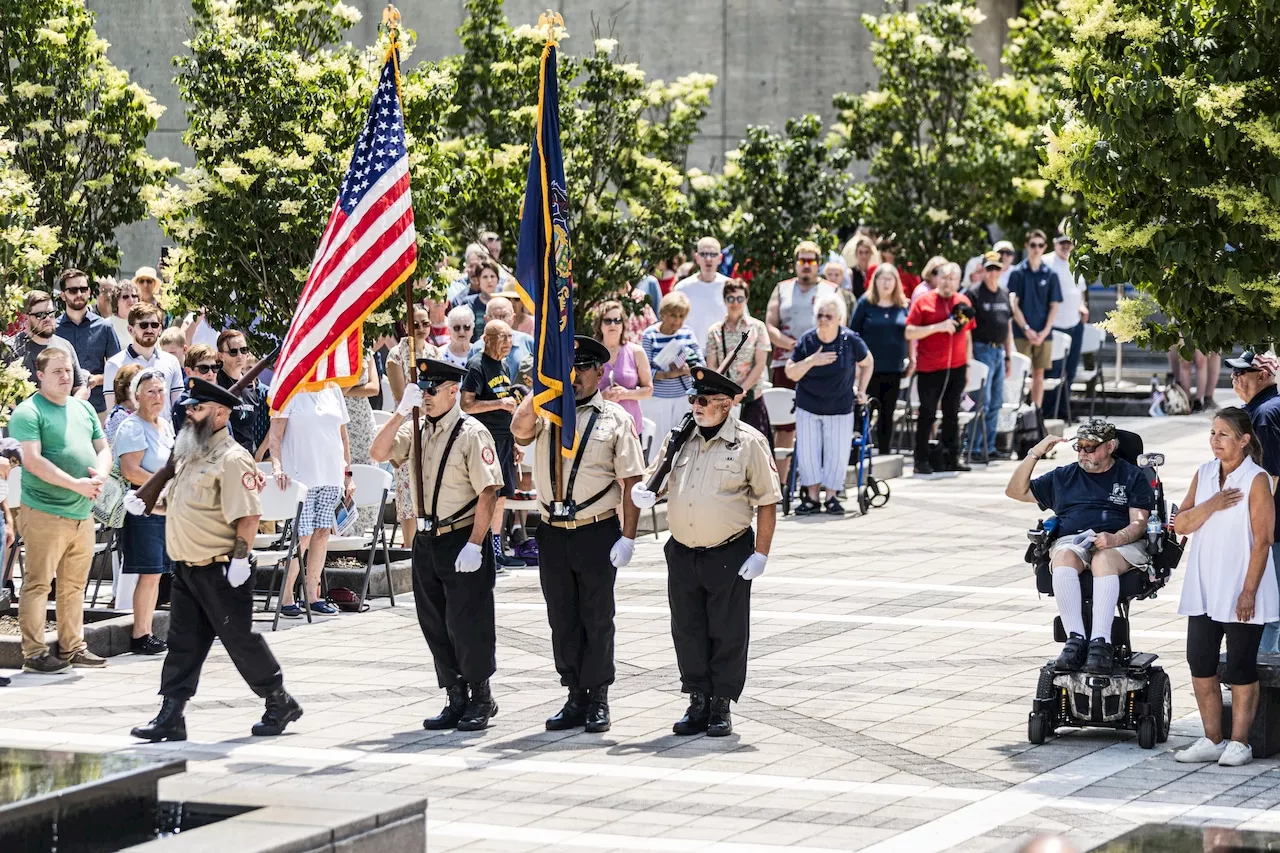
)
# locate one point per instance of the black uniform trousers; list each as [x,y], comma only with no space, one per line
[202,606]
[945,387]
[455,609]
[710,615]
[577,582]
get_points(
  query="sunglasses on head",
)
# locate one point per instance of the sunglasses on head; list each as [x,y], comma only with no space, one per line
[148,324]
[611,321]
[1080,447]
[236,351]
[74,290]
[206,368]
[735,300]
[42,315]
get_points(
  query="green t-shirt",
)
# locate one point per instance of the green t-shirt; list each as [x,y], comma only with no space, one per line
[66,435]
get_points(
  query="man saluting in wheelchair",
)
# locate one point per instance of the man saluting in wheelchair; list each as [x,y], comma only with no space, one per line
[1102,503]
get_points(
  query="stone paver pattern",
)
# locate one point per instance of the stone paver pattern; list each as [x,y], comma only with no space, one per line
[893,662]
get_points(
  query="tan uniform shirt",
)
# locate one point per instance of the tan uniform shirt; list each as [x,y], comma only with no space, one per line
[206,498]
[714,485]
[472,466]
[612,452]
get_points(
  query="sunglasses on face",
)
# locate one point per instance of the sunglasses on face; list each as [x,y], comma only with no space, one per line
[1080,447]
[826,316]
[206,368]
[1007,252]
[418,325]
[704,400]
[75,290]
[41,315]
[708,254]
[1035,245]
[127,297]
[806,261]
[1242,371]
[735,300]
[463,328]
[236,351]
[431,388]
[147,324]
[612,321]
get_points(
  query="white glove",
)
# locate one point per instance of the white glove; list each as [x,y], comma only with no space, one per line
[622,552]
[411,400]
[642,497]
[133,504]
[468,558]
[753,567]
[238,572]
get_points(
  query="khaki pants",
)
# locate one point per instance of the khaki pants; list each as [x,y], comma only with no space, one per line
[56,547]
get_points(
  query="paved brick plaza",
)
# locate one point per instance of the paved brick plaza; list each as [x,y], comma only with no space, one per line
[893,661]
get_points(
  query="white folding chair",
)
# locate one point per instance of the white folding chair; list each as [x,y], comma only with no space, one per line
[1091,380]
[372,486]
[284,505]
[1059,346]
[380,418]
[1015,392]
[388,399]
[780,403]
[975,383]
[526,465]
[647,433]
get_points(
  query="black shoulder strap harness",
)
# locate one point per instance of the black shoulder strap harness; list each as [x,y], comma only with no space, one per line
[577,463]
[435,494]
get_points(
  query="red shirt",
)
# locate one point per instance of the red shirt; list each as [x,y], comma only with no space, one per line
[939,351]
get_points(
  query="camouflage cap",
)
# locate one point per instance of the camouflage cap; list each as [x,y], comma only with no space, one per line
[1096,430]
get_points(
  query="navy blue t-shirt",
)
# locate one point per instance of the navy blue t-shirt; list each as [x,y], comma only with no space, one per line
[1264,412]
[828,388]
[1097,502]
[884,329]
[1035,291]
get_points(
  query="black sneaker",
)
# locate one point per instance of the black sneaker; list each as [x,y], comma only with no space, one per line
[45,664]
[978,458]
[148,645]
[924,469]
[833,507]
[807,506]
[1102,657]
[1073,653]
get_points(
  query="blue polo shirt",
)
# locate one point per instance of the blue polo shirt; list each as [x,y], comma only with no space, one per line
[94,341]
[1264,412]
[827,389]
[1097,502]
[1036,291]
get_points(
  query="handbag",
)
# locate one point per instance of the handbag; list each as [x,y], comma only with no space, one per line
[108,507]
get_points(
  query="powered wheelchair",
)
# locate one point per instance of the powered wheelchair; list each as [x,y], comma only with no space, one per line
[1135,696]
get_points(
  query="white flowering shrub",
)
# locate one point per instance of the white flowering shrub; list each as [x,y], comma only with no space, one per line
[936,150]
[1169,130]
[76,128]
[25,246]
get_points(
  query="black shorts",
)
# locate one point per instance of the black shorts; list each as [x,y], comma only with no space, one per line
[506,449]
[1204,642]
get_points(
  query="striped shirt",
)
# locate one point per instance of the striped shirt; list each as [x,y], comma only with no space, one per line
[653,341]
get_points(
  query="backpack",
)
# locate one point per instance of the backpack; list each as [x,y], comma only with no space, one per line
[1028,431]
[1176,400]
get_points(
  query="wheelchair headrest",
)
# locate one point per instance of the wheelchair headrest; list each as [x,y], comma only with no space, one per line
[1128,446]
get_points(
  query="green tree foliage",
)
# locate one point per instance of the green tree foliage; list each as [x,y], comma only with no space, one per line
[273,116]
[624,141]
[79,129]
[1171,134]
[25,246]
[775,190]
[936,148]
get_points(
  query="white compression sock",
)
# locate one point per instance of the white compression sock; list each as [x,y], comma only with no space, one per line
[1066,589]
[1106,592]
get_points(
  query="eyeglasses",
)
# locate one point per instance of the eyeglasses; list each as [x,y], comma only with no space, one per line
[418,325]
[1085,448]
[1241,371]
[233,352]
[75,290]
[1035,245]
[206,368]
[806,261]
[704,400]
[826,316]
[734,300]
[41,315]
[708,254]
[131,297]
[611,321]
[463,328]
[147,324]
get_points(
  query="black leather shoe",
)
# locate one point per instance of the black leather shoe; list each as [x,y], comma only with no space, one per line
[1102,657]
[598,711]
[282,709]
[572,715]
[479,709]
[452,712]
[4,682]
[1073,653]
[720,723]
[923,468]
[955,463]
[169,724]
[695,718]
[148,645]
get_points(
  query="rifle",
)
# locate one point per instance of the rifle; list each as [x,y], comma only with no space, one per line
[150,491]
[683,431]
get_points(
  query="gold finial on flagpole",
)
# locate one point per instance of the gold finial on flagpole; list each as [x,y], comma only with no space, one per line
[551,20]
[391,16]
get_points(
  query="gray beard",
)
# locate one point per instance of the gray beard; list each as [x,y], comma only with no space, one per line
[193,440]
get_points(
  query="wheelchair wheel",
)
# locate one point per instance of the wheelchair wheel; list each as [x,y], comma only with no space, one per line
[1147,732]
[1160,701]
[1037,728]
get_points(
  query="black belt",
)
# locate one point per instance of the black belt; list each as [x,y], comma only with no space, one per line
[734,538]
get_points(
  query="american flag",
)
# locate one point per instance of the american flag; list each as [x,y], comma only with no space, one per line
[366,252]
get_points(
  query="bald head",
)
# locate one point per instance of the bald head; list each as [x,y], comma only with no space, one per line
[500,308]
[497,339]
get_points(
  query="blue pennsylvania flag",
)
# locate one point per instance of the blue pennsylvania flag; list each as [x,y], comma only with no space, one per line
[543,263]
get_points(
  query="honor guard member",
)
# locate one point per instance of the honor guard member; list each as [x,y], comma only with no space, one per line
[211,511]
[587,536]
[719,475]
[453,567]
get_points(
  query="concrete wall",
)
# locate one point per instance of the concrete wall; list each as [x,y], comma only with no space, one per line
[774,58]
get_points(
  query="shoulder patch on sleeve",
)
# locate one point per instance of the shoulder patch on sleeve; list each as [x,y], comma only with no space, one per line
[487,455]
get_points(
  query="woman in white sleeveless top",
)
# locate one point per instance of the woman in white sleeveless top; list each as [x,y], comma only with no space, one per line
[1230,586]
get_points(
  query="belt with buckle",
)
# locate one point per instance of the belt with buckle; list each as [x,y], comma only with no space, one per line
[734,538]
[582,522]
[210,562]
[457,525]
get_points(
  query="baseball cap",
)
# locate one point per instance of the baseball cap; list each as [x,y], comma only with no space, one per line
[1062,238]
[991,260]
[1003,246]
[1250,360]
[1097,430]
[146,272]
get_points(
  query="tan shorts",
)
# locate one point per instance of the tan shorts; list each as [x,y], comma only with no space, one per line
[1135,553]
[1041,355]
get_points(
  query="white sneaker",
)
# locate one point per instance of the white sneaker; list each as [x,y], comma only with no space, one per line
[1236,754]
[1203,750]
